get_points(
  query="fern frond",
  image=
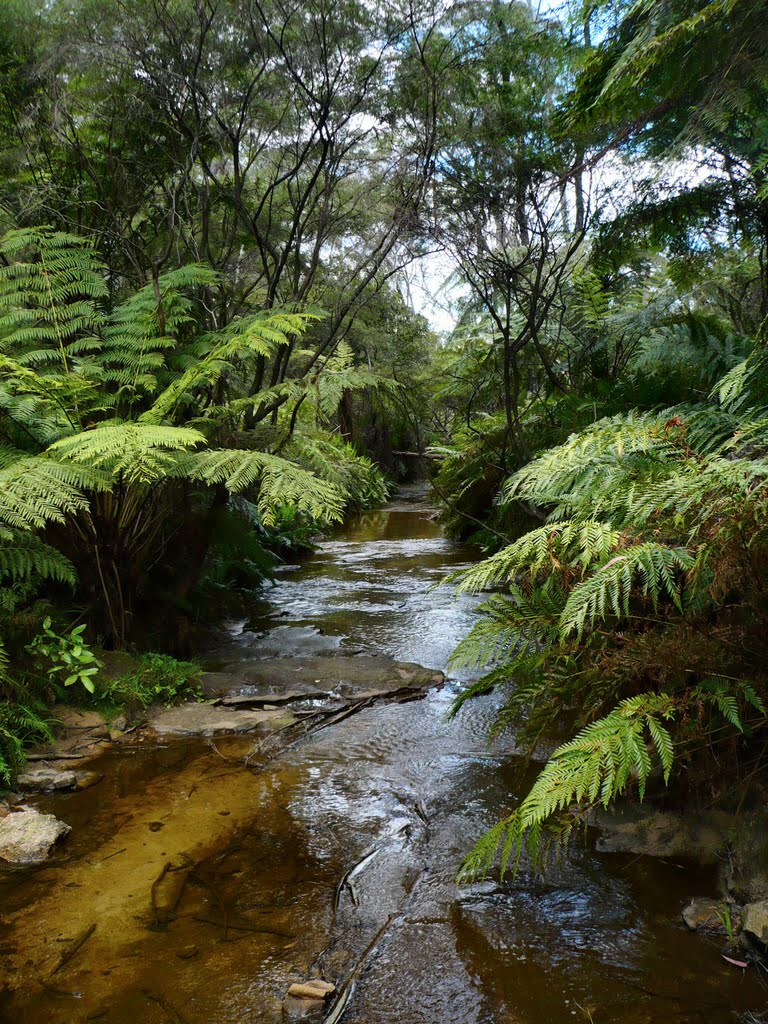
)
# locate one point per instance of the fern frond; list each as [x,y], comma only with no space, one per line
[595,767]
[139,453]
[278,480]
[658,569]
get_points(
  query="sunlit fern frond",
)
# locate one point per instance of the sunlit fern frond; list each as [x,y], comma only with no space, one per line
[138,453]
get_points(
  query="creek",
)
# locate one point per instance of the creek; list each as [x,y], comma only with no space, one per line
[339,855]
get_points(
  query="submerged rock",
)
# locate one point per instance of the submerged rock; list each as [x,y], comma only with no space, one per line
[306,999]
[27,836]
[295,1008]
[643,830]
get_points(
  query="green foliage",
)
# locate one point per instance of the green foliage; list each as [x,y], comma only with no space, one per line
[355,476]
[594,767]
[127,426]
[158,679]
[20,725]
[643,593]
[68,658]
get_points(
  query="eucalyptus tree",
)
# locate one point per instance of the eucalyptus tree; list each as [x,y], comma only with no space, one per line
[510,212]
[263,137]
[686,81]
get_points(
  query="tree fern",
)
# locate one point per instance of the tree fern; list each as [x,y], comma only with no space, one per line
[23,556]
[655,540]
[216,355]
[49,292]
[657,568]
[278,480]
[138,453]
[35,491]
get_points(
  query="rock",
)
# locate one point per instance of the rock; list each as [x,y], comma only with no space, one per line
[303,1009]
[26,836]
[312,990]
[50,777]
[640,829]
[755,920]
[44,779]
[313,677]
[86,721]
[711,916]
[87,779]
[272,700]
[207,720]
[117,728]
[746,868]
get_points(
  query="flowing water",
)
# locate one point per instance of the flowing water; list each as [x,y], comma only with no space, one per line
[339,856]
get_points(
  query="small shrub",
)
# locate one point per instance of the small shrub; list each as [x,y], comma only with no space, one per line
[69,658]
[158,679]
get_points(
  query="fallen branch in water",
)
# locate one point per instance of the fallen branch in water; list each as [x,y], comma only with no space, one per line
[77,944]
[346,990]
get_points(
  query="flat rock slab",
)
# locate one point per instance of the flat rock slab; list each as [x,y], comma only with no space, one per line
[44,779]
[246,700]
[49,778]
[27,836]
[315,677]
[209,720]
[642,830]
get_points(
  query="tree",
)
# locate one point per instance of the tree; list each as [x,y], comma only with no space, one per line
[124,428]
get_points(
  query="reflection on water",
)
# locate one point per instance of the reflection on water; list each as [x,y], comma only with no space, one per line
[397,789]
[376,591]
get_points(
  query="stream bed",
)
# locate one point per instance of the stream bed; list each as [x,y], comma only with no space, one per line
[338,857]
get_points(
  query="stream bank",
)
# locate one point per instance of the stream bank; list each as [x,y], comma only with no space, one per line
[201,879]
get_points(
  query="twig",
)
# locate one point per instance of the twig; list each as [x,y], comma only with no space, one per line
[111,855]
[76,945]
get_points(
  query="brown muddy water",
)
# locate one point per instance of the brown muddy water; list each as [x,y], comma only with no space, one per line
[339,856]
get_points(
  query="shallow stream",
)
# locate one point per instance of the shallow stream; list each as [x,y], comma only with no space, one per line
[339,856]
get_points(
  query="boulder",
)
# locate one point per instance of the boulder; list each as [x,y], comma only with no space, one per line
[26,836]
[91,722]
[755,920]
